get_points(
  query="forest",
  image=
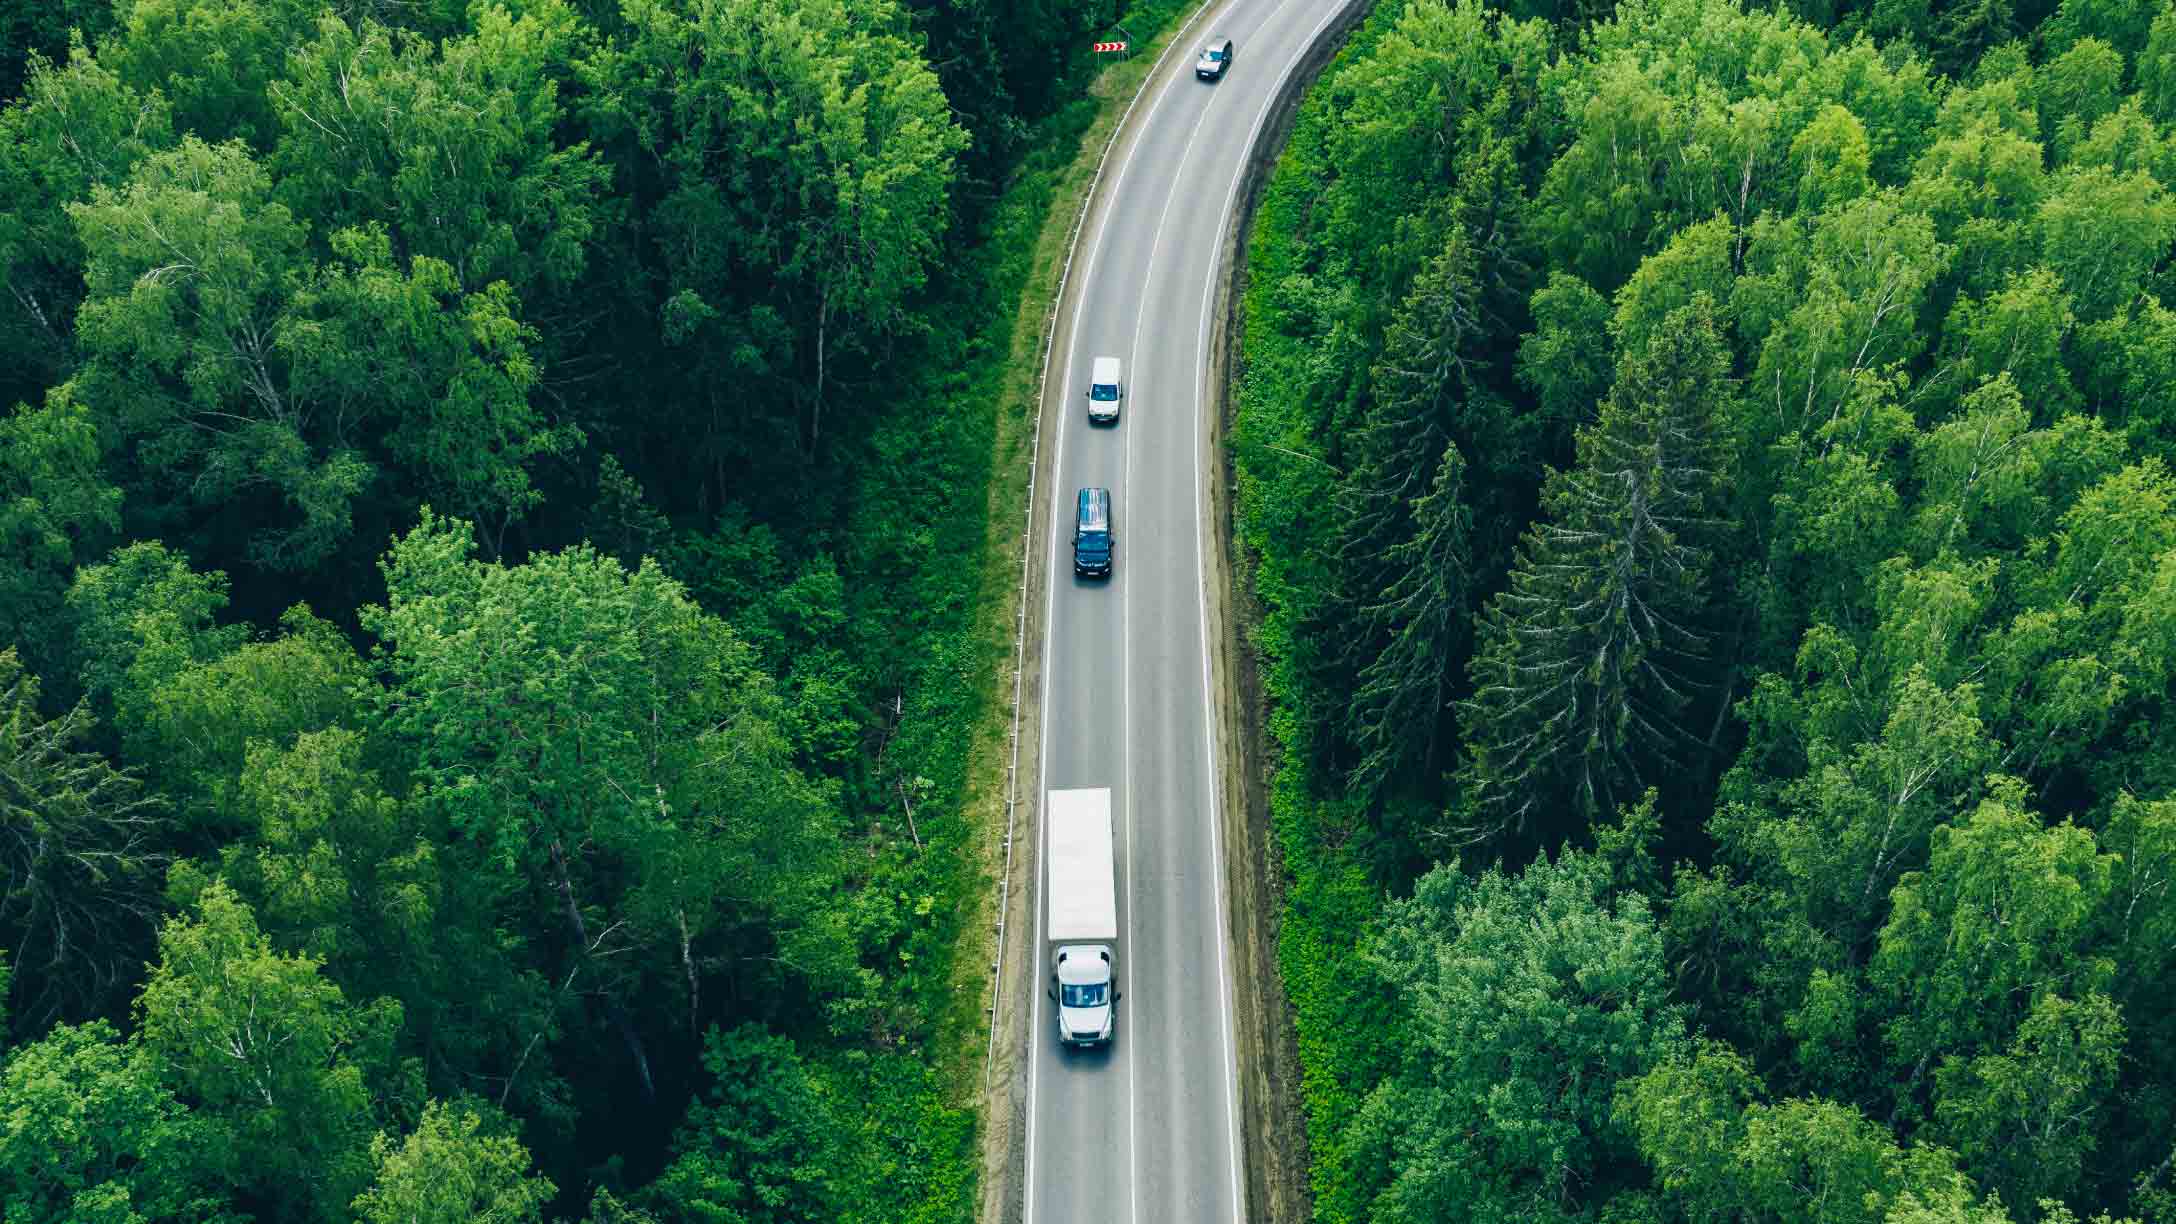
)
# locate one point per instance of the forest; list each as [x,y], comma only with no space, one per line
[1705,477]
[495,500]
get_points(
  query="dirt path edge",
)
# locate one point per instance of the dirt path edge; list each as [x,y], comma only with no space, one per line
[1274,1127]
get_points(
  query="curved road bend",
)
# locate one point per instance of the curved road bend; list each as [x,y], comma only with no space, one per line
[1147,1133]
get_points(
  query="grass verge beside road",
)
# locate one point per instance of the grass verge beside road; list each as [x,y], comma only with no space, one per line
[959,477]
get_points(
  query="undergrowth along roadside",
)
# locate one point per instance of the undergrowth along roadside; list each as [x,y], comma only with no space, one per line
[1280,513]
[945,488]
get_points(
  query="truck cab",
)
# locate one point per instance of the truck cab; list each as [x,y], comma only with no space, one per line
[1087,995]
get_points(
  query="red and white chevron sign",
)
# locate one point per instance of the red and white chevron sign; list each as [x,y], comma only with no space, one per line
[1117,46]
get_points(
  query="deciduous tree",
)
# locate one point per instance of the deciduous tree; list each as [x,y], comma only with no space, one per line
[259,1042]
[1525,999]
[611,754]
[453,1169]
[89,1132]
[821,112]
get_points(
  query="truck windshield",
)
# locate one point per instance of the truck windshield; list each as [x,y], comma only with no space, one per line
[1081,996]
[1103,391]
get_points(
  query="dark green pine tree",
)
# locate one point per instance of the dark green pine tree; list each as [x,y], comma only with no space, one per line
[1414,391]
[82,853]
[1583,667]
[1397,714]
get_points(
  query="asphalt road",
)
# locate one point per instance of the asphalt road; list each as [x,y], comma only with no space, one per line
[1146,1133]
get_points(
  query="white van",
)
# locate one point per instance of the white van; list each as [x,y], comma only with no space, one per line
[1104,391]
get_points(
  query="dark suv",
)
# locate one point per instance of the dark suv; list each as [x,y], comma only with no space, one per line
[1095,542]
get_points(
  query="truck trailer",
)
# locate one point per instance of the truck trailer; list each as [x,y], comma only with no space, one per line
[1083,925]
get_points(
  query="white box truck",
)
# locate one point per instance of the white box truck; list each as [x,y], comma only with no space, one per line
[1083,927]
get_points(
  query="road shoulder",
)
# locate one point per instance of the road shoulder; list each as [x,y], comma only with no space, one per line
[1005,1097]
[1274,1125]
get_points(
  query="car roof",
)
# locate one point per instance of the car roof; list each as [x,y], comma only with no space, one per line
[1094,504]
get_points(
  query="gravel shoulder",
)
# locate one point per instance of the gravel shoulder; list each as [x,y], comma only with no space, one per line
[1005,1097]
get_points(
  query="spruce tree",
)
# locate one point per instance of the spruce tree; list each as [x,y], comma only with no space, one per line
[1397,714]
[1583,667]
[1400,447]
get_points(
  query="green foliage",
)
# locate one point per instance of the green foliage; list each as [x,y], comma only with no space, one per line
[608,756]
[820,111]
[1403,551]
[1928,585]
[1404,691]
[1585,668]
[1998,920]
[2102,233]
[2027,1116]
[1566,361]
[452,1169]
[219,62]
[223,350]
[277,276]
[90,1132]
[1521,1002]
[81,852]
[470,174]
[1721,1151]
[76,125]
[756,1150]
[55,507]
[778,1139]
[271,1055]
[142,618]
[200,724]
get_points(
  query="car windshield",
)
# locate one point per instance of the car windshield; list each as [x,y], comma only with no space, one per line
[1103,391]
[1212,54]
[1081,996]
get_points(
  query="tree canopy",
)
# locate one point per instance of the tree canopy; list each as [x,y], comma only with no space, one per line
[461,733]
[1831,642]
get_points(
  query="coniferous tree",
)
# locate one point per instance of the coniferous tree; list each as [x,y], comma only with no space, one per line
[1398,711]
[1400,449]
[1424,369]
[1584,666]
[81,854]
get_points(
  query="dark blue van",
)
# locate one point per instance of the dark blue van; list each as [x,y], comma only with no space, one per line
[1094,541]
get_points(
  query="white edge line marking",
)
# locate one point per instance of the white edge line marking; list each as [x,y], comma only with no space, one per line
[1125,475]
[1050,591]
[1208,692]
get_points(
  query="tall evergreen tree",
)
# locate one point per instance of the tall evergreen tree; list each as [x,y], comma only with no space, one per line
[1584,666]
[82,849]
[1397,714]
[1413,392]
[1399,449]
